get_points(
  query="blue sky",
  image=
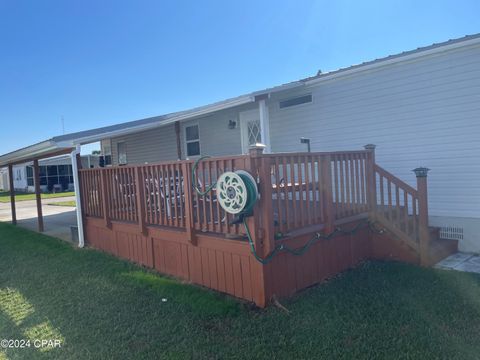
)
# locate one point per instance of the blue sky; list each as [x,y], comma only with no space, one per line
[98,63]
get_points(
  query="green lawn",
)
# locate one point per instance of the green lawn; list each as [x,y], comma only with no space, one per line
[64,203]
[104,308]
[5,196]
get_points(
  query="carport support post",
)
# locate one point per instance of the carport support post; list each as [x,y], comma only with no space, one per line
[12,194]
[38,196]
[76,163]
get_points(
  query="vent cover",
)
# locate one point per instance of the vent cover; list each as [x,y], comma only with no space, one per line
[295,101]
[451,232]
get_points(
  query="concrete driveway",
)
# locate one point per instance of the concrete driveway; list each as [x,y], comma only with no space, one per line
[57,219]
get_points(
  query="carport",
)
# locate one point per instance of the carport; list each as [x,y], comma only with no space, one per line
[35,153]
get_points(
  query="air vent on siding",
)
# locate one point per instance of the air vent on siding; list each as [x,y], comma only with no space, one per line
[295,101]
[451,232]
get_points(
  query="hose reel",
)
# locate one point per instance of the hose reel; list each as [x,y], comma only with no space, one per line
[237,192]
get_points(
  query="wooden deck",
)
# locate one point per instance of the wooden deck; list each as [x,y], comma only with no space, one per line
[151,215]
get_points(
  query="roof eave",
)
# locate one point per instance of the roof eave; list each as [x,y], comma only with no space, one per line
[414,54]
[31,152]
[202,111]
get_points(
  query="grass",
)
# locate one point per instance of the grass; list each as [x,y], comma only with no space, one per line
[102,307]
[64,203]
[5,196]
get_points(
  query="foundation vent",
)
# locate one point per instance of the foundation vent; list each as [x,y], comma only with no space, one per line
[451,232]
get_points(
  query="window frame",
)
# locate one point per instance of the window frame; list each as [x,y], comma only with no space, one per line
[186,142]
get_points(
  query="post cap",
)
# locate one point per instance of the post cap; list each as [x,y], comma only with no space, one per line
[421,171]
[257,149]
[370,147]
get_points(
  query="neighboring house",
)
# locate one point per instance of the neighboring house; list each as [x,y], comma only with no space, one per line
[54,171]
[4,180]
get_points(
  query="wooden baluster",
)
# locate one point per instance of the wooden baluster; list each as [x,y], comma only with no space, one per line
[286,201]
[140,197]
[106,211]
[382,195]
[327,192]
[210,195]
[352,184]
[362,184]
[336,185]
[371,186]
[414,217]
[357,184]
[397,205]
[342,187]
[301,203]
[309,213]
[293,191]
[187,190]
[317,197]
[277,190]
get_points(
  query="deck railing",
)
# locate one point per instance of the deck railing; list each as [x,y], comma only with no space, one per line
[397,203]
[297,190]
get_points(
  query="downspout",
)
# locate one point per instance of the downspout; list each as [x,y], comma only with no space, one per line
[76,184]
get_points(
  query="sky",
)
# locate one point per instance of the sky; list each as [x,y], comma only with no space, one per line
[97,63]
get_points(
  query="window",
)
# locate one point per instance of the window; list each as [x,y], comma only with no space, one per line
[122,153]
[296,101]
[19,174]
[30,176]
[192,140]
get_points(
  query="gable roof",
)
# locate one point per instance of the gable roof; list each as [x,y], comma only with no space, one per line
[69,141]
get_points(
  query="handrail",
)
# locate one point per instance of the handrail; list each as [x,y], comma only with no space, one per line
[397,206]
[396,180]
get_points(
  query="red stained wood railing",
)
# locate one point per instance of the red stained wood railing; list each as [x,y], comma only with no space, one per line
[92,192]
[298,190]
[317,188]
[397,205]
[349,183]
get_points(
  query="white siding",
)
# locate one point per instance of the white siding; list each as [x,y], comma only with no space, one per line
[148,146]
[421,113]
[216,139]
[160,144]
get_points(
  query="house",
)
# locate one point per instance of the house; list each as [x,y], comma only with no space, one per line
[53,171]
[419,108]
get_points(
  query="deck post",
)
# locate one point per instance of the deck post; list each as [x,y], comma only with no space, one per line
[12,194]
[261,224]
[424,233]
[187,190]
[327,192]
[38,196]
[371,180]
[105,199]
[140,197]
